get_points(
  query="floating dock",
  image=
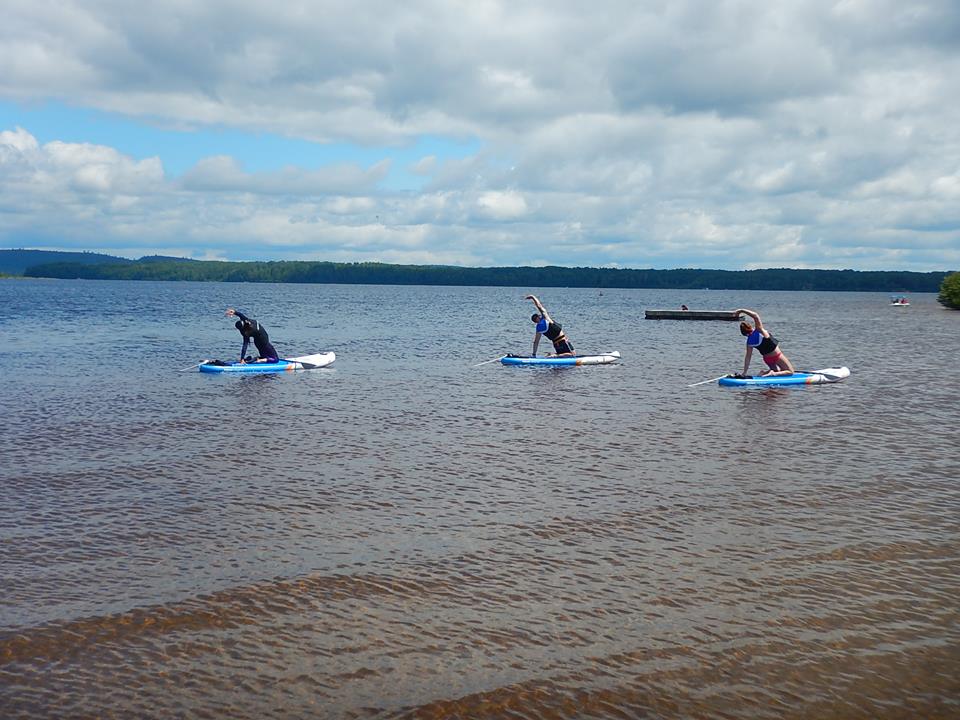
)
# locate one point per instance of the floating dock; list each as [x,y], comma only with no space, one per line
[691,315]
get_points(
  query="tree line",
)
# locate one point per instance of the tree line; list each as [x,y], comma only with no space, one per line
[550,276]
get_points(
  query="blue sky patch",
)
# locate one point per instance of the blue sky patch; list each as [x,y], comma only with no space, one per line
[180,150]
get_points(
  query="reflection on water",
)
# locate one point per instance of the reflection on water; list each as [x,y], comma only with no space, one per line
[405,535]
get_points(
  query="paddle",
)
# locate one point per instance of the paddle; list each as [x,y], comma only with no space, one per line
[308,365]
[487,362]
[304,365]
[193,366]
[704,382]
[830,376]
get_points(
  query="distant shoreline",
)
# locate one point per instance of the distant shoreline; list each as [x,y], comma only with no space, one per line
[376,274]
[91,266]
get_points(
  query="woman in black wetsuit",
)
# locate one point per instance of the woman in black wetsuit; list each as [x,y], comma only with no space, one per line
[253,330]
[766,344]
[553,331]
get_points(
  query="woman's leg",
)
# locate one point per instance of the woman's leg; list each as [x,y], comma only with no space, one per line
[783,363]
[563,348]
[777,365]
[780,369]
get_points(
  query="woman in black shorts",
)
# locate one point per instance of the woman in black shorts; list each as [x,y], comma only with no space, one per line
[553,331]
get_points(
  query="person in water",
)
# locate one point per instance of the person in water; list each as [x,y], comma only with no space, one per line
[546,326]
[252,330]
[767,345]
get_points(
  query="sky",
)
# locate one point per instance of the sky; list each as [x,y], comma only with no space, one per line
[730,134]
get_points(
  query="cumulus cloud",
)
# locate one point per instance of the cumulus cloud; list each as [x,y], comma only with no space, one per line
[659,132]
[80,167]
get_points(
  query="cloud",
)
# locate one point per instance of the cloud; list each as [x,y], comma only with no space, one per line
[69,175]
[425,165]
[17,142]
[502,205]
[225,174]
[659,132]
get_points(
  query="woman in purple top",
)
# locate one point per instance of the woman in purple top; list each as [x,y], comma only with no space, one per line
[766,344]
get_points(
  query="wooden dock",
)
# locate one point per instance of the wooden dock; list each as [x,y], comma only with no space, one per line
[691,315]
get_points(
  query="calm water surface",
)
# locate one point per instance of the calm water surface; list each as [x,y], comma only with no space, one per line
[405,535]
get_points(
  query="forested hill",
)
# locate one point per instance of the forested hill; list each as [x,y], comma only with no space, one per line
[15,262]
[379,273]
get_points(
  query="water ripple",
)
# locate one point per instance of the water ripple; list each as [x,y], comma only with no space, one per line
[406,536]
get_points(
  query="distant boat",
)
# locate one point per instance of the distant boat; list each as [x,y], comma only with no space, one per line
[899,301]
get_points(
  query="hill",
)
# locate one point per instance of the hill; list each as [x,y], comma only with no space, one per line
[14,262]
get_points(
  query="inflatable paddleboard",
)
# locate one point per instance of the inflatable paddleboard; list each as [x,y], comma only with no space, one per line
[307,362]
[815,377]
[601,359]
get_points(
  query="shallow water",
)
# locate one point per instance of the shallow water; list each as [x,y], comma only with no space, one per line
[406,535]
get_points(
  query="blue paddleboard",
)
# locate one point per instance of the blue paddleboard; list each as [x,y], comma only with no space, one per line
[815,377]
[601,359]
[307,362]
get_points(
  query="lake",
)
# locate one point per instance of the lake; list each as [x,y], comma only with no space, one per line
[408,534]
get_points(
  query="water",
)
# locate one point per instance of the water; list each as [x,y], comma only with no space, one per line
[404,535]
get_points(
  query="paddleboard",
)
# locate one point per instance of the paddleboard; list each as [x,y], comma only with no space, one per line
[601,359]
[815,377]
[307,362]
